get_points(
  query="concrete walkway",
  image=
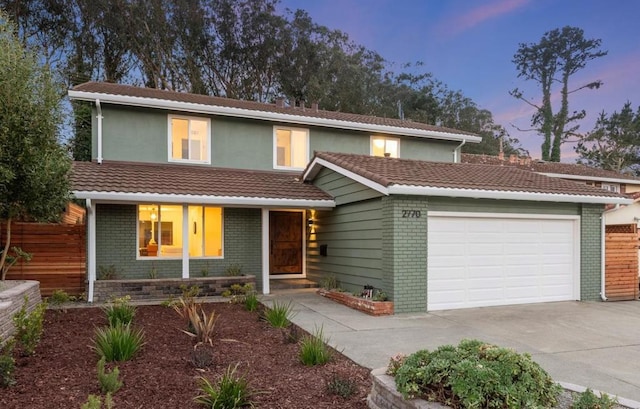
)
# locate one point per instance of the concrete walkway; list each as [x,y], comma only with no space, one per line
[592,344]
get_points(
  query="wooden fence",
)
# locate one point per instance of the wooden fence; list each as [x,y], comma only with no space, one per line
[59,256]
[621,262]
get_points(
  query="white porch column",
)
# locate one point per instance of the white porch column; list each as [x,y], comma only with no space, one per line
[91,240]
[265,251]
[185,241]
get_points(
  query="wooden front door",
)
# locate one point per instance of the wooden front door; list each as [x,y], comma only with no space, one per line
[285,243]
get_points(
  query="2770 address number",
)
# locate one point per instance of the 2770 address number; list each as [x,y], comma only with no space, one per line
[411,214]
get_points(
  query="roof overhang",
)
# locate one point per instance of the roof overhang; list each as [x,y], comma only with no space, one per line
[122,197]
[265,115]
[317,164]
[591,178]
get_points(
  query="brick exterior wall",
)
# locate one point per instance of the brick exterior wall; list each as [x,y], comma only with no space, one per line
[12,295]
[116,245]
[590,252]
[404,252]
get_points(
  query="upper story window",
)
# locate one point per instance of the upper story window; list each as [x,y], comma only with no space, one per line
[611,187]
[189,139]
[384,146]
[290,148]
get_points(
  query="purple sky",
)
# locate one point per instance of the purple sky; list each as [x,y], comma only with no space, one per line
[469,46]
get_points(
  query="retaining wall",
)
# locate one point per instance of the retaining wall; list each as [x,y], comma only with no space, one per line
[12,295]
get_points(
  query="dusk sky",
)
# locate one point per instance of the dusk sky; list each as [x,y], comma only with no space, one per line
[469,46]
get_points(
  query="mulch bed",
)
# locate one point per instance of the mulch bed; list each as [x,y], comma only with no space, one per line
[62,373]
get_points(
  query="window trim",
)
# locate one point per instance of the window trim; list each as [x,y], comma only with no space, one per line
[386,138]
[608,185]
[170,158]
[275,147]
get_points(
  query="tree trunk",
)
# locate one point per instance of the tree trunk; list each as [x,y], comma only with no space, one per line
[5,251]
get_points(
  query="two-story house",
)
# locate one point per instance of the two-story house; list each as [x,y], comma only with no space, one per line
[183,182]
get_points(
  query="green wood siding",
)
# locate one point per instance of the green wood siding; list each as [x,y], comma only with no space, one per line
[343,189]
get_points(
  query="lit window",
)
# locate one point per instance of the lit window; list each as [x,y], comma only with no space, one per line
[381,146]
[160,230]
[189,139]
[291,148]
[612,187]
[205,231]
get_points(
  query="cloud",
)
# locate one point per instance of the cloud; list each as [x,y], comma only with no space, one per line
[478,15]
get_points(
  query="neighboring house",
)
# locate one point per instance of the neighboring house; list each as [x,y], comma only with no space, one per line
[183,182]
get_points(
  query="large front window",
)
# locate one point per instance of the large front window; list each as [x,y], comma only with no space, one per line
[383,146]
[189,139]
[291,148]
[160,231]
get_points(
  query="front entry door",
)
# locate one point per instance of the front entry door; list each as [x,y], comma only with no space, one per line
[285,243]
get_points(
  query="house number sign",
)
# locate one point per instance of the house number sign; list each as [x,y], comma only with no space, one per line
[411,214]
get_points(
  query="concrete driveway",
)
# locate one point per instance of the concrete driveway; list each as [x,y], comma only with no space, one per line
[592,344]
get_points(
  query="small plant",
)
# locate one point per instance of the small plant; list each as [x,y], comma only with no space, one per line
[279,315]
[329,282]
[203,325]
[291,334]
[109,382]
[153,272]
[118,343]
[119,311]
[108,272]
[233,270]
[589,400]
[341,386]
[251,301]
[204,271]
[169,303]
[395,363]
[188,293]
[59,297]
[29,326]
[380,296]
[94,402]
[314,349]
[201,357]
[230,392]
[7,363]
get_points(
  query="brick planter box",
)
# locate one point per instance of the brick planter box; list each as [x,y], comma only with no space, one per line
[164,288]
[365,305]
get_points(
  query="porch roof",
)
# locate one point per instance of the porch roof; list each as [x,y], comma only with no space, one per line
[144,182]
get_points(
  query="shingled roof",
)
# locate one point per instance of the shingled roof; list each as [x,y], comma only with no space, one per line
[551,168]
[189,183]
[403,176]
[152,97]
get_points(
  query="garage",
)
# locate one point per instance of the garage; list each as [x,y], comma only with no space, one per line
[480,259]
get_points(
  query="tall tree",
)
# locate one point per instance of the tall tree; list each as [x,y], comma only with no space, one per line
[558,55]
[614,143]
[33,165]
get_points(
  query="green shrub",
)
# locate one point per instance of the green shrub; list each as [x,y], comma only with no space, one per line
[29,326]
[279,315]
[329,282]
[230,392]
[476,375]
[251,301]
[314,349]
[94,402]
[7,363]
[589,400]
[109,382]
[119,311]
[233,270]
[59,297]
[118,343]
[341,386]
[108,272]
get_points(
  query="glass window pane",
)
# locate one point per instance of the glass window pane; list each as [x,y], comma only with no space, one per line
[148,230]
[196,230]
[213,231]
[198,140]
[283,147]
[179,138]
[381,146]
[377,147]
[170,236]
[299,149]
[391,147]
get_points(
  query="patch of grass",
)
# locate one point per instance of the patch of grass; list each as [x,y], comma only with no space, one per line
[95,402]
[230,392]
[329,282]
[314,349]
[119,311]
[108,381]
[251,301]
[29,326]
[118,343]
[279,315]
[341,386]
[59,297]
[589,400]
[233,270]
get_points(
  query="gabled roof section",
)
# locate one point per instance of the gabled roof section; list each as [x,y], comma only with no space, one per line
[140,182]
[555,169]
[413,177]
[203,104]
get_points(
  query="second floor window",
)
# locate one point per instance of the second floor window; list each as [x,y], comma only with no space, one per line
[612,187]
[291,148]
[383,146]
[189,139]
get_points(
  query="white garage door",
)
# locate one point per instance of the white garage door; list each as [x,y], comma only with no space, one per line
[478,261]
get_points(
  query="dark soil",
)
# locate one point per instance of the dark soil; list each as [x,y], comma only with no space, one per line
[62,373]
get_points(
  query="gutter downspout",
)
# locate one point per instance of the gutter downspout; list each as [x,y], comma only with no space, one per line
[603,295]
[99,118]
[455,151]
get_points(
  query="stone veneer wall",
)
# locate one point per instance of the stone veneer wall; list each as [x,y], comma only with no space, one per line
[165,288]
[12,295]
[384,395]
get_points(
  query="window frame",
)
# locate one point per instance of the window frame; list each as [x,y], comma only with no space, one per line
[275,146]
[385,138]
[203,257]
[608,185]
[170,158]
